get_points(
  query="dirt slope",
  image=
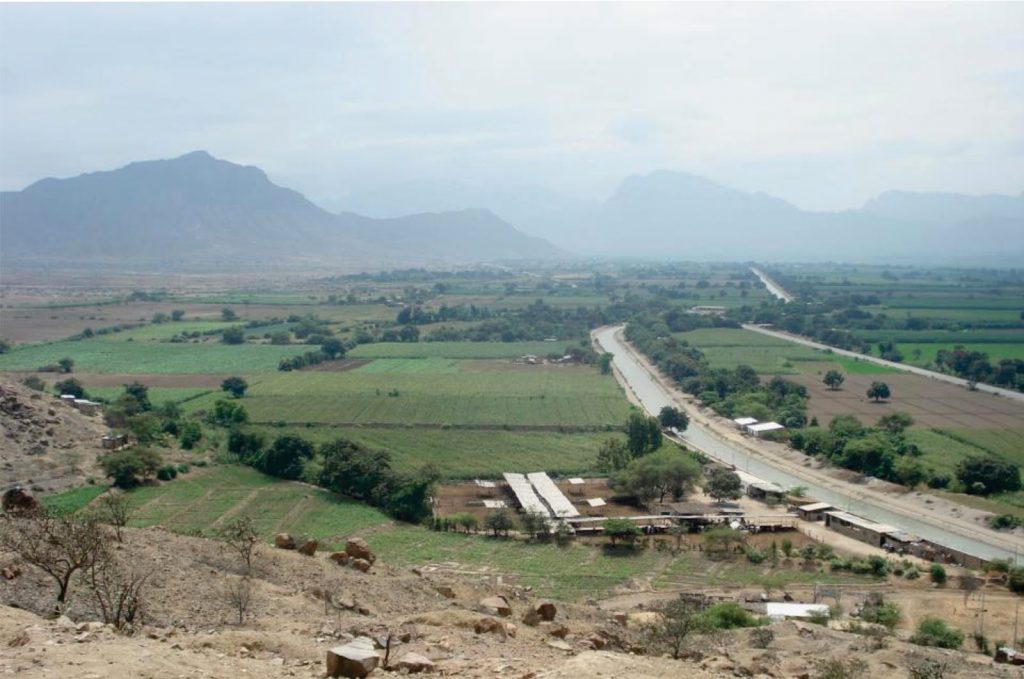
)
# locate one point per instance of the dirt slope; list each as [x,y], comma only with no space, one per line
[45,445]
[305,605]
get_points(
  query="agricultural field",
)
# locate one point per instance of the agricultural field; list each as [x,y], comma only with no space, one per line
[100,355]
[466,453]
[157,395]
[456,349]
[410,392]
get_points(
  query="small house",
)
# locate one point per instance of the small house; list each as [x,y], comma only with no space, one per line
[87,407]
[858,528]
[743,422]
[814,511]
[782,611]
[762,428]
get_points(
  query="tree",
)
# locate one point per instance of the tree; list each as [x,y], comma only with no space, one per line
[228,314]
[895,423]
[140,395]
[935,632]
[623,530]
[242,538]
[673,417]
[129,468]
[238,593]
[117,590]
[191,434]
[116,509]
[878,391]
[5,346]
[834,379]
[233,336]
[60,545]
[72,387]
[677,621]
[604,364]
[987,475]
[285,457]
[534,523]
[612,456]
[658,475]
[938,574]
[499,522]
[723,484]
[228,414]
[235,386]
[333,347]
[643,434]
[177,314]
[66,364]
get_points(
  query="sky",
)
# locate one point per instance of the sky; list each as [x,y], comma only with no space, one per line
[824,105]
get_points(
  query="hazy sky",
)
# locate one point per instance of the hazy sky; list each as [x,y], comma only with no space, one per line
[824,105]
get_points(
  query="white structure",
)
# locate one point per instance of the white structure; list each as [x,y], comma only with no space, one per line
[484,484]
[576,481]
[763,428]
[744,422]
[596,502]
[781,611]
[546,488]
[523,491]
[494,504]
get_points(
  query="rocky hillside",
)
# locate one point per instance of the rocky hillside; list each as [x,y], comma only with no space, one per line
[305,605]
[45,445]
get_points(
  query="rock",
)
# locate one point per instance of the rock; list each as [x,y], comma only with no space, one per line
[17,500]
[489,626]
[531,618]
[343,600]
[284,541]
[560,645]
[445,591]
[620,618]
[414,663]
[560,631]
[510,629]
[497,605]
[94,626]
[361,564]
[597,642]
[9,573]
[308,547]
[358,549]
[84,636]
[66,622]
[546,610]
[340,558]
[357,658]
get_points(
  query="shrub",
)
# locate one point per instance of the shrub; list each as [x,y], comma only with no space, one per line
[183,468]
[167,472]
[938,574]
[762,637]
[130,467]
[935,632]
[754,556]
[729,615]
[881,612]
[912,573]
[1015,579]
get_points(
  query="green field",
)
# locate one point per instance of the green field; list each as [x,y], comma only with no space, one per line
[479,393]
[928,351]
[165,331]
[409,365]
[157,395]
[467,454]
[105,356]
[457,349]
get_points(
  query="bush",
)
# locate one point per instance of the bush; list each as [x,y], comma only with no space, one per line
[183,468]
[762,637]
[755,556]
[167,472]
[1015,579]
[938,574]
[881,612]
[912,573]
[129,468]
[935,632]
[729,615]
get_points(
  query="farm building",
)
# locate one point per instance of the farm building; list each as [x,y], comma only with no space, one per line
[782,611]
[86,407]
[743,422]
[857,528]
[708,310]
[758,488]
[813,512]
[762,428]
[114,441]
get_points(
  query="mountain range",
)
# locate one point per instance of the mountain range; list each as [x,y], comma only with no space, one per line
[198,208]
[668,214]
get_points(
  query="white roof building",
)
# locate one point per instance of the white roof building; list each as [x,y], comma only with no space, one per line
[745,421]
[764,427]
[781,611]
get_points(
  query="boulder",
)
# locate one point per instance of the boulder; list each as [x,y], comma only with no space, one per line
[497,605]
[620,618]
[560,645]
[308,547]
[343,600]
[445,591]
[531,618]
[18,500]
[414,663]
[358,549]
[361,564]
[546,610]
[357,658]
[489,626]
[340,558]
[284,541]
[597,642]
[560,631]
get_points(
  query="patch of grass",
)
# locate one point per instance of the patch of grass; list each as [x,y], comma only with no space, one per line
[71,501]
[929,351]
[104,356]
[409,365]
[157,395]
[940,452]
[467,453]
[165,331]
[1006,443]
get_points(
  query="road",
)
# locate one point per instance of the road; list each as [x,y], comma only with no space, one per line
[931,374]
[773,287]
[653,394]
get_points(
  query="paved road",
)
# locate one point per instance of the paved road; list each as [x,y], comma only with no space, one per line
[931,374]
[772,286]
[654,395]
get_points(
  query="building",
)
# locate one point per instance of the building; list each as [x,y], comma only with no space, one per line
[87,407]
[708,310]
[758,488]
[782,611]
[762,428]
[857,528]
[743,422]
[814,511]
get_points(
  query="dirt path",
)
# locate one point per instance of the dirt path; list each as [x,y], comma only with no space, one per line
[941,515]
[931,374]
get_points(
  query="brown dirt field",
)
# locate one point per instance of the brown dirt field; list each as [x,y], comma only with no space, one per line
[196,381]
[931,403]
